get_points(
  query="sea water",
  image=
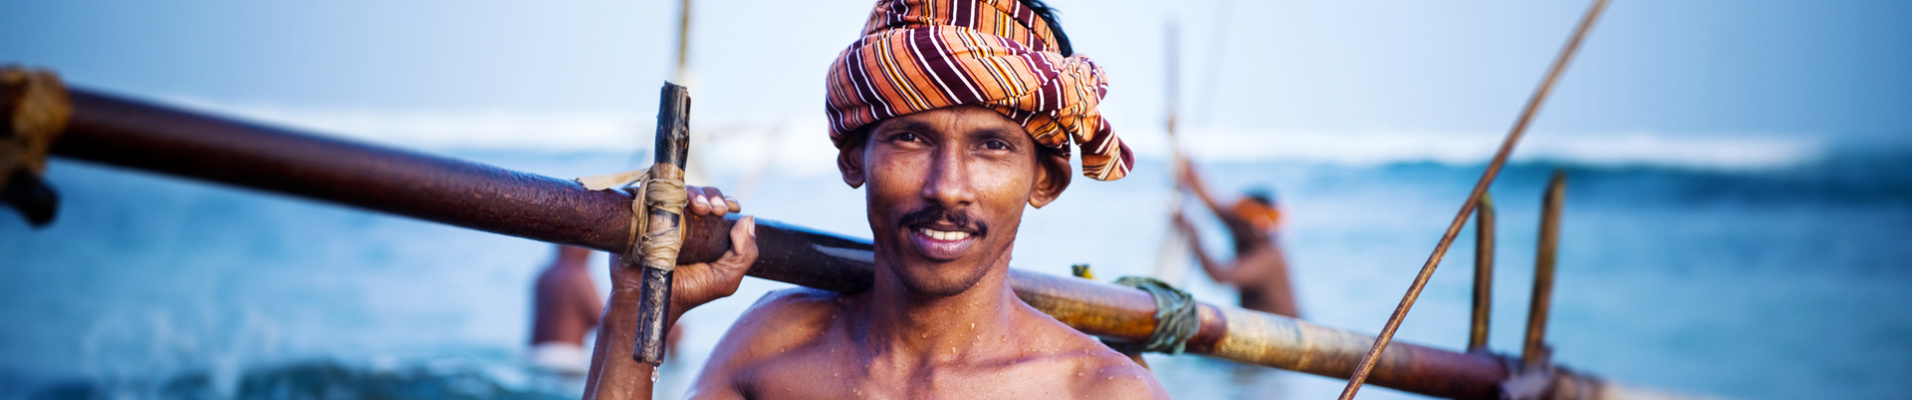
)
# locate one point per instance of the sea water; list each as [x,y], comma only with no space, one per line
[1786,281]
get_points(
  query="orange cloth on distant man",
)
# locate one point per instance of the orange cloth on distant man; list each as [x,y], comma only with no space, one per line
[1264,217]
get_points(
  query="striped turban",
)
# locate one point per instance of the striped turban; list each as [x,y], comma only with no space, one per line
[919,55]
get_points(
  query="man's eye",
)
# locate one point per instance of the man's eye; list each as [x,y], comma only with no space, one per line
[996,145]
[905,137]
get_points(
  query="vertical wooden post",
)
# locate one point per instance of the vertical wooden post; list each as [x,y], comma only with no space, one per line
[1483,274]
[1535,352]
[673,147]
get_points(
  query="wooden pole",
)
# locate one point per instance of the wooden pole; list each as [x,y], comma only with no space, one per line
[1483,275]
[1467,207]
[1535,351]
[665,220]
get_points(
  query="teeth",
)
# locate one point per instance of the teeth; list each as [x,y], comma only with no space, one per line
[943,235]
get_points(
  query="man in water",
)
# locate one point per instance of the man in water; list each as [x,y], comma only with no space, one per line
[1260,269]
[565,306]
[955,114]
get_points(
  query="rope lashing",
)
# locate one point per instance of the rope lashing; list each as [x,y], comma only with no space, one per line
[648,192]
[1175,317]
[663,193]
[36,109]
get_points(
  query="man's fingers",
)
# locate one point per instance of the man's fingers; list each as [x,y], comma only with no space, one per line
[734,205]
[718,206]
[696,201]
[743,243]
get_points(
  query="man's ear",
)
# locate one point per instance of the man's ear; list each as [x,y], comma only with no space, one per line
[850,163]
[1052,177]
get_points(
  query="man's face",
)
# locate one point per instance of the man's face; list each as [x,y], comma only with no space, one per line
[946,194]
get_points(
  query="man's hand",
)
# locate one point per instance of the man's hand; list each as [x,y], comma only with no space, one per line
[696,284]
[1181,223]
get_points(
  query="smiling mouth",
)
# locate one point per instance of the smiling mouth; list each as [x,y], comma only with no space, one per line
[941,245]
[948,236]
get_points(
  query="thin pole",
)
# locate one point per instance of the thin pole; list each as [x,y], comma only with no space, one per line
[1172,96]
[1217,53]
[1483,274]
[1172,78]
[1480,189]
[683,41]
[1535,351]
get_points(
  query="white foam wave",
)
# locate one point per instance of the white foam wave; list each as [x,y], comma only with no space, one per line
[1736,152]
[797,145]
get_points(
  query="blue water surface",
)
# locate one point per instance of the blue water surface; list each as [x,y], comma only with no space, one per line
[1786,282]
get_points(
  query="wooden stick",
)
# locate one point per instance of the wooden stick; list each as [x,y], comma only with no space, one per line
[671,151]
[1483,275]
[1535,351]
[1467,207]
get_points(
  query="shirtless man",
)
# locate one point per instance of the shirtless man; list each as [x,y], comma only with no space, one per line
[947,187]
[565,306]
[1260,269]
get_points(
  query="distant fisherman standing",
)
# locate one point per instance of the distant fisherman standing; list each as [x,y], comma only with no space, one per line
[1260,269]
[565,306]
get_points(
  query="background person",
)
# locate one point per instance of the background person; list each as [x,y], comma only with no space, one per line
[1259,270]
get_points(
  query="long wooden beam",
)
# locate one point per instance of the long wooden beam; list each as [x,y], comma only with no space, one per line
[127,133]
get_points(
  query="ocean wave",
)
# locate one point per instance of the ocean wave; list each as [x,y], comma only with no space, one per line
[558,131]
[1710,152]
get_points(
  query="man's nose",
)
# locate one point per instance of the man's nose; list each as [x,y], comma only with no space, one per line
[948,182]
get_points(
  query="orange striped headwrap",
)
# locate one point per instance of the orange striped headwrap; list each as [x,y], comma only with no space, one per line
[919,55]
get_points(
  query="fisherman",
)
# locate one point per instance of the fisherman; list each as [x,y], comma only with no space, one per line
[565,306]
[1259,270]
[955,114]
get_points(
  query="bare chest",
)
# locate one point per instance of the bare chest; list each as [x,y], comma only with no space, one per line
[826,376]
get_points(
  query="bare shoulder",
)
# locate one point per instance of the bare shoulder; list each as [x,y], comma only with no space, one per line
[782,319]
[1099,372]
[1114,376]
[779,321]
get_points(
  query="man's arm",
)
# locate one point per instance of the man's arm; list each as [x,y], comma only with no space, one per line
[1215,268]
[614,374]
[1186,177]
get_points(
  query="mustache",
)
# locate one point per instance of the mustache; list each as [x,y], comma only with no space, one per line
[934,213]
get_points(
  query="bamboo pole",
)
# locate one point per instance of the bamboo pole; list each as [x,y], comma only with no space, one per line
[1483,275]
[131,134]
[1467,207]
[1535,351]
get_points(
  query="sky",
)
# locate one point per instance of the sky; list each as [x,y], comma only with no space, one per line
[1296,78]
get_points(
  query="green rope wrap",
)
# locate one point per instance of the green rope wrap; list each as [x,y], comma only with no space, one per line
[1175,317]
